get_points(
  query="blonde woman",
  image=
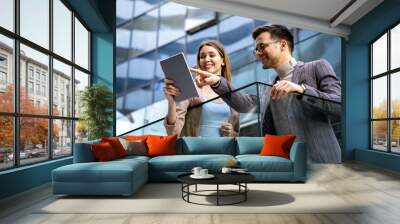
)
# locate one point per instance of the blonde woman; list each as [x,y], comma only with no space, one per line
[212,119]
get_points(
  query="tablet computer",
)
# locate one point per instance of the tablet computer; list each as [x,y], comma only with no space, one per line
[176,68]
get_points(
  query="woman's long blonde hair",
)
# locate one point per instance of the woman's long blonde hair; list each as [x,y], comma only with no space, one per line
[226,69]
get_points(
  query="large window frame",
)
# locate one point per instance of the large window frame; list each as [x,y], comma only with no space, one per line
[50,117]
[388,145]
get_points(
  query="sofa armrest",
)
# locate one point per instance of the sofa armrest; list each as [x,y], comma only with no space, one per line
[83,152]
[298,155]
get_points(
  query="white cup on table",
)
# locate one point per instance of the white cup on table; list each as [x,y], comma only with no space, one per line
[203,172]
[196,171]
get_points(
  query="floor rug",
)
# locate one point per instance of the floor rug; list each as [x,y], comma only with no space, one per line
[167,198]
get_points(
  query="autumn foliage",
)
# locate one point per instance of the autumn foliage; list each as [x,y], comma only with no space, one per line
[380,127]
[33,131]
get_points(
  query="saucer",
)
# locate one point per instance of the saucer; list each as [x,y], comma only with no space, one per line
[208,176]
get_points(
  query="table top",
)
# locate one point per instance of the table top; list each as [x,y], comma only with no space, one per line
[220,178]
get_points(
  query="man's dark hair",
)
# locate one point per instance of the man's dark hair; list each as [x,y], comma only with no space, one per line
[276,31]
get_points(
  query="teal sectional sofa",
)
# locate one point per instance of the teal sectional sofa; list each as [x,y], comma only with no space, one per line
[125,176]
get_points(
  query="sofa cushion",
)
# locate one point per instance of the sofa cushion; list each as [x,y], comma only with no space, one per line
[116,145]
[277,145]
[185,163]
[134,147]
[249,145]
[257,163]
[161,145]
[103,151]
[112,171]
[207,145]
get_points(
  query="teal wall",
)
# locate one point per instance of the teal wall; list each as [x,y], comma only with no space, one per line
[99,16]
[103,63]
[356,84]
[24,178]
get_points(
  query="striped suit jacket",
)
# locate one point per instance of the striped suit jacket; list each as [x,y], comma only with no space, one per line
[309,114]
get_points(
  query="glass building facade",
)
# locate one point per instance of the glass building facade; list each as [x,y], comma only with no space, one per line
[150,30]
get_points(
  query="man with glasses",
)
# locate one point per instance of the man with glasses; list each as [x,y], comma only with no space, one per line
[301,101]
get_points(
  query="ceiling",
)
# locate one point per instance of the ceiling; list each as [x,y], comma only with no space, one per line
[325,16]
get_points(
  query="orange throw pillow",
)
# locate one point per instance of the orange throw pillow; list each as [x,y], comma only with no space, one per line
[116,145]
[161,145]
[103,151]
[277,145]
[135,138]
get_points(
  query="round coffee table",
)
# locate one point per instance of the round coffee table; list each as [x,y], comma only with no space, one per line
[238,179]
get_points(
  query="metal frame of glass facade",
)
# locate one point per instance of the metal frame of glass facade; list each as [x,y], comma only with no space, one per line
[17,115]
[242,60]
[387,74]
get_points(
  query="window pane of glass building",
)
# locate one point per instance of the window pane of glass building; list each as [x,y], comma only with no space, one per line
[395,95]
[6,142]
[379,56]
[258,22]
[241,58]
[34,81]
[133,102]
[302,34]
[120,103]
[81,82]
[7,14]
[158,88]
[62,138]
[81,45]
[141,69]
[62,89]
[154,112]
[33,140]
[245,75]
[197,17]
[124,10]
[193,42]
[395,136]
[172,22]
[322,46]
[121,76]
[395,47]
[34,21]
[6,74]
[379,135]
[142,6]
[166,51]
[379,98]
[235,33]
[144,33]
[265,75]
[123,36]
[62,29]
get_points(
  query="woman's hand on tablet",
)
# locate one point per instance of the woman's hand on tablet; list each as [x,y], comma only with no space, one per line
[170,90]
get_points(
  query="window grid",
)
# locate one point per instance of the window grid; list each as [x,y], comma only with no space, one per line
[35,78]
[390,143]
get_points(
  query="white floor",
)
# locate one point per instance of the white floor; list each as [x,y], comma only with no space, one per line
[377,189]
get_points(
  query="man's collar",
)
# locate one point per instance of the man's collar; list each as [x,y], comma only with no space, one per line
[286,68]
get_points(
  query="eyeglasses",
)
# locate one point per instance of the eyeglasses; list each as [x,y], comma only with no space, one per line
[259,48]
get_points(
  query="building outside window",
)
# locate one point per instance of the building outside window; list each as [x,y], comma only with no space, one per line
[3,78]
[3,72]
[34,82]
[30,87]
[30,72]
[385,95]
